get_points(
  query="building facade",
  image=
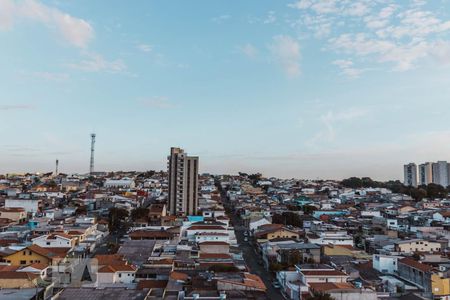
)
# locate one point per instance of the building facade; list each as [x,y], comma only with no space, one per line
[410,174]
[425,173]
[440,173]
[183,183]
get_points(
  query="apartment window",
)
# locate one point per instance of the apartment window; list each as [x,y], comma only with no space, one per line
[23,262]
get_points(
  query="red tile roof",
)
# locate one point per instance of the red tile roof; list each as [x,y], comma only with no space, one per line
[415,264]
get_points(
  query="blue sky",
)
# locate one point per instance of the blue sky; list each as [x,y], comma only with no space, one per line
[305,89]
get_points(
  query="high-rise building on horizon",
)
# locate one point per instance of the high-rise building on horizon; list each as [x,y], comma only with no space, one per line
[183,182]
[425,173]
[441,173]
[410,174]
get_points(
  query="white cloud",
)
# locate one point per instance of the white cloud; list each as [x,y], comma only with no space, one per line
[347,68]
[357,9]
[286,51]
[400,35]
[48,76]
[271,18]
[249,50]
[5,107]
[221,19]
[76,31]
[145,47]
[96,63]
[158,102]
[331,119]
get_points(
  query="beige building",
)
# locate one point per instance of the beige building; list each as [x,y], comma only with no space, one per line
[183,183]
[16,214]
[417,245]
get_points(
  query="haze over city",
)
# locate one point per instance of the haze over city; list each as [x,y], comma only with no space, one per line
[305,89]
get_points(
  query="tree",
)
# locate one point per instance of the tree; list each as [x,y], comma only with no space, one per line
[294,258]
[320,296]
[275,267]
[418,194]
[223,268]
[436,191]
[139,213]
[116,216]
[81,210]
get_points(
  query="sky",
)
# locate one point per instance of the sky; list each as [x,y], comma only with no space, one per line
[307,89]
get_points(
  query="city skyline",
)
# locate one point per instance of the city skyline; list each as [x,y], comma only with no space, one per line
[300,89]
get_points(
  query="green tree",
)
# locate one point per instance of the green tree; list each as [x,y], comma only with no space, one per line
[116,217]
[81,210]
[139,213]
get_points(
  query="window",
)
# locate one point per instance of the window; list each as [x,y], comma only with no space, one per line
[30,253]
[120,274]
[48,243]
[23,262]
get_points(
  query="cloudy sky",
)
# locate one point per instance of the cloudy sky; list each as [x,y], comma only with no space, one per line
[306,89]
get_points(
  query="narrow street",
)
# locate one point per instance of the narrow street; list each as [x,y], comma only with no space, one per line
[251,257]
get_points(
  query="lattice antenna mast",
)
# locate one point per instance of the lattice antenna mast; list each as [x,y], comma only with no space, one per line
[91,166]
[56,170]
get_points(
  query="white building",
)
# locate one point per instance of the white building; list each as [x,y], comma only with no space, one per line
[124,183]
[425,173]
[331,237]
[440,173]
[120,273]
[386,264]
[55,240]
[30,205]
[410,174]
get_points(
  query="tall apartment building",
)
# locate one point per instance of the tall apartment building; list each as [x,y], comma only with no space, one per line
[183,183]
[441,173]
[425,173]
[410,174]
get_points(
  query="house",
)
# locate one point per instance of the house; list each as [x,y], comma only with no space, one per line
[386,264]
[18,280]
[343,291]
[301,252]
[116,273]
[124,183]
[55,240]
[16,214]
[35,254]
[321,274]
[274,231]
[415,272]
[247,282]
[440,286]
[156,212]
[442,216]
[330,238]
[214,247]
[31,206]
[40,269]
[151,235]
[416,245]
[257,222]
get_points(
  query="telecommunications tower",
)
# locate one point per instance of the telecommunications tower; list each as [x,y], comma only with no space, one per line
[91,166]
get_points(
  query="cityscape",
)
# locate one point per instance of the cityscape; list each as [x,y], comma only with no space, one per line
[225,150]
